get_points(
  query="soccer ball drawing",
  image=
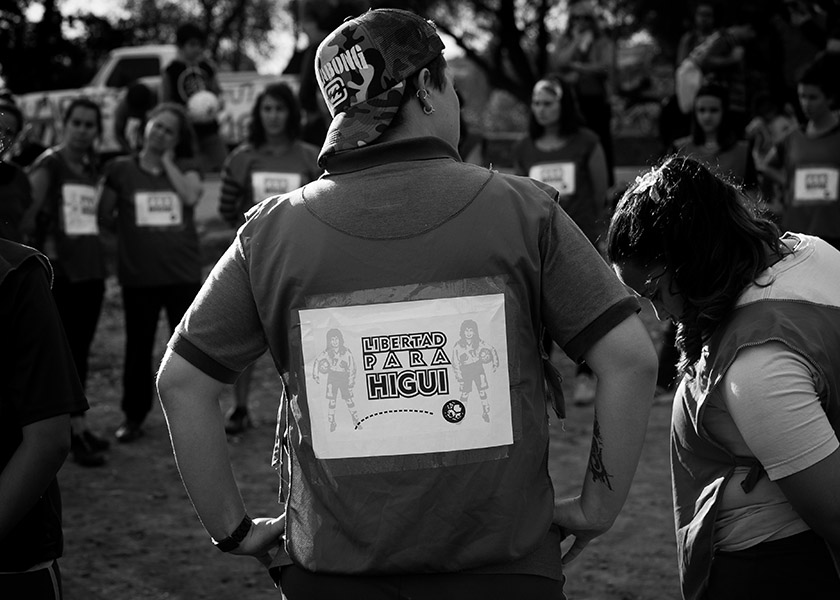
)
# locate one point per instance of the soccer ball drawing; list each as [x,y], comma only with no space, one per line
[203,106]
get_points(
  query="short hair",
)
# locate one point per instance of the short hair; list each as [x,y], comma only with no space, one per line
[437,78]
[187,146]
[822,73]
[571,119]
[87,104]
[282,93]
[188,32]
[705,232]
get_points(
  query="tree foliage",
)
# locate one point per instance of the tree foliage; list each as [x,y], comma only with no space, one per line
[510,40]
[64,50]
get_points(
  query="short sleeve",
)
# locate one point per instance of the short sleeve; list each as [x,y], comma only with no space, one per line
[38,373]
[771,394]
[582,298]
[206,337]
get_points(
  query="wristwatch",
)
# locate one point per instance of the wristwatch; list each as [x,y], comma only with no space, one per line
[232,541]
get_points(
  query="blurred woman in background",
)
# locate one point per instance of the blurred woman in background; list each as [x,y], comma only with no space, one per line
[273,160]
[561,152]
[64,180]
[149,199]
[714,140]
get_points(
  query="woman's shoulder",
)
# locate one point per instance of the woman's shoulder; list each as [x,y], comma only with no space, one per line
[681,144]
[242,150]
[587,135]
[121,164]
[49,159]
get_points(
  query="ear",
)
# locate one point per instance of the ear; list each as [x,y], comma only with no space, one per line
[422,79]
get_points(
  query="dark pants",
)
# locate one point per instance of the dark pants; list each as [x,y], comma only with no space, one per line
[79,305]
[799,566]
[43,584]
[142,306]
[299,584]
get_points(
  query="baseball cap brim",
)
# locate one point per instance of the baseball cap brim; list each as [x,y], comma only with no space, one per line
[364,122]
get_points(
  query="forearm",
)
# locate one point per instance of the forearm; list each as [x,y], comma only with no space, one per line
[622,407]
[188,188]
[230,202]
[198,440]
[27,475]
[626,365]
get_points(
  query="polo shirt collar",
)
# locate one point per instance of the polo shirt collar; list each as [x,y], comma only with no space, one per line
[375,155]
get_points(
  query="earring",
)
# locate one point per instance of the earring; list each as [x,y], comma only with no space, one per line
[423,97]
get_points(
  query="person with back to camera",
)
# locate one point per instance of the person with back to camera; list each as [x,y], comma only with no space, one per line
[39,390]
[130,115]
[397,268]
[64,180]
[755,457]
[149,199]
[190,74]
[15,191]
[272,161]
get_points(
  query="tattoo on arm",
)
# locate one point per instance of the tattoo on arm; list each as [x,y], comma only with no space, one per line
[596,457]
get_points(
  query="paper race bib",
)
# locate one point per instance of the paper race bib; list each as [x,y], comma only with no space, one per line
[78,209]
[272,184]
[158,209]
[560,176]
[409,377]
[816,184]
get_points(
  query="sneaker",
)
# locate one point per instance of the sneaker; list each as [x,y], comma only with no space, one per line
[84,454]
[128,432]
[238,421]
[95,442]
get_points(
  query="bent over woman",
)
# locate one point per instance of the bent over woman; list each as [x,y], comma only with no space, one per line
[754,436]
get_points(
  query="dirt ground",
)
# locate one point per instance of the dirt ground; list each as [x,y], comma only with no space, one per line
[131,533]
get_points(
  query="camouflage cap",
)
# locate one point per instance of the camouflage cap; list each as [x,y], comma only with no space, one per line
[361,69]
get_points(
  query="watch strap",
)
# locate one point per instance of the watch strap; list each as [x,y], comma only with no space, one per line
[234,539]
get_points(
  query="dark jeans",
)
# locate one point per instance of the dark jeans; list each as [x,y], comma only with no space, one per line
[79,305]
[299,584]
[43,584]
[142,306]
[799,566]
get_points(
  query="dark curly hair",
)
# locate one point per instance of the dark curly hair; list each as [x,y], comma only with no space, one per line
[705,232]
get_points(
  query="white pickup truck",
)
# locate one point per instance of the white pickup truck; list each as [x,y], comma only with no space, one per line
[44,110]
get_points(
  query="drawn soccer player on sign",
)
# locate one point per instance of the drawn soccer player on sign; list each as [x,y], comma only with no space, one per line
[337,363]
[470,354]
